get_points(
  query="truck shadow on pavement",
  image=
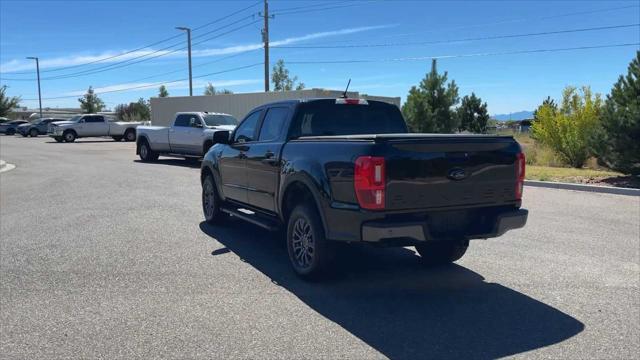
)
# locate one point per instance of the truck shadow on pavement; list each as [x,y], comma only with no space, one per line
[386,298]
[173,162]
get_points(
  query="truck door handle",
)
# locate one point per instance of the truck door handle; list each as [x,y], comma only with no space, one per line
[269,158]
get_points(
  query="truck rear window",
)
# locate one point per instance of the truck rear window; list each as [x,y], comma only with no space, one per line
[326,118]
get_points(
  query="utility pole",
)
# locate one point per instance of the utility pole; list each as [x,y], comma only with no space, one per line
[188,30]
[265,39]
[38,71]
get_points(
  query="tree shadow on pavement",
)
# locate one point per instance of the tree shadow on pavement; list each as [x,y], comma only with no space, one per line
[386,298]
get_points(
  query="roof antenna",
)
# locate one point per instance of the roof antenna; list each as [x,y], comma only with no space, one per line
[344,94]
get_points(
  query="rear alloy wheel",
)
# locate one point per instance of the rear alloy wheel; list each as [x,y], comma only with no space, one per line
[435,253]
[130,135]
[33,132]
[211,202]
[146,154]
[69,136]
[306,243]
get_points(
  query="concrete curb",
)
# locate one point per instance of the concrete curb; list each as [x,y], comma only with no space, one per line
[583,187]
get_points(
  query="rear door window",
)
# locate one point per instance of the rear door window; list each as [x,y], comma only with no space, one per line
[182,120]
[93,119]
[273,123]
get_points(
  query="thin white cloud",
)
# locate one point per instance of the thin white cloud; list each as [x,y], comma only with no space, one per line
[22,65]
[143,86]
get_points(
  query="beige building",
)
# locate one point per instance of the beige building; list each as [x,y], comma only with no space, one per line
[238,105]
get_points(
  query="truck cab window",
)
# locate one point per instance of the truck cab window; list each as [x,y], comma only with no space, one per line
[195,122]
[246,131]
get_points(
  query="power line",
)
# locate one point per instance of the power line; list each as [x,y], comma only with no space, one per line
[155,84]
[421,58]
[456,40]
[142,58]
[195,66]
[227,16]
[148,45]
[301,11]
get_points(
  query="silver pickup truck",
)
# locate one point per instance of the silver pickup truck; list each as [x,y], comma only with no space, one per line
[92,125]
[190,135]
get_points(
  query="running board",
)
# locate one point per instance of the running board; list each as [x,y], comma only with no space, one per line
[252,217]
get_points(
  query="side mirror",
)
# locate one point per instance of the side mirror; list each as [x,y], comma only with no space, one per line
[222,137]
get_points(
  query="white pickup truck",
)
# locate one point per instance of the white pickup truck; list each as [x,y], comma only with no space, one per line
[92,125]
[191,135]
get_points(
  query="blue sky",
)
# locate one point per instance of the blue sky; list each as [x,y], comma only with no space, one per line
[70,33]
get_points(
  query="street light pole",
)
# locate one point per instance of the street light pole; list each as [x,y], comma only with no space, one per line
[38,71]
[188,30]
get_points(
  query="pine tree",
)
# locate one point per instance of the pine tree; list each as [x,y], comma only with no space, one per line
[618,141]
[7,103]
[473,115]
[90,102]
[428,108]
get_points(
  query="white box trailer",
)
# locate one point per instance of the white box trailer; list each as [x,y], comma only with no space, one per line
[163,110]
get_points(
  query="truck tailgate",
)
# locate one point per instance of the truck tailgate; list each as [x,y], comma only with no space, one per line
[444,171]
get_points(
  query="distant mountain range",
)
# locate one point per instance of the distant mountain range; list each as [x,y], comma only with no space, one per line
[520,115]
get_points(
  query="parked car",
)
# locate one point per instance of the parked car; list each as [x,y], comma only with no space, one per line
[92,125]
[347,170]
[38,127]
[9,127]
[190,135]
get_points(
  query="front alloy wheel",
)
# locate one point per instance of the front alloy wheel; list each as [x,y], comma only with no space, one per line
[69,136]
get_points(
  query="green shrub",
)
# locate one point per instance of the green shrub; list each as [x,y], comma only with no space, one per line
[570,129]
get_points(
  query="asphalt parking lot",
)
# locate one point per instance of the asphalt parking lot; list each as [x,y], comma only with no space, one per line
[104,256]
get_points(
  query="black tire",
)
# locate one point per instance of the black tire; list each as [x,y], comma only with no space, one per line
[69,136]
[58,139]
[211,202]
[117,138]
[146,154]
[10,132]
[130,135]
[33,133]
[437,253]
[307,245]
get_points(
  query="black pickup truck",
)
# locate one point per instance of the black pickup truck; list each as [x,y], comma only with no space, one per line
[348,170]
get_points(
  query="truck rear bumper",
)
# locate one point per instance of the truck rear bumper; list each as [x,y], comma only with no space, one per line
[405,233]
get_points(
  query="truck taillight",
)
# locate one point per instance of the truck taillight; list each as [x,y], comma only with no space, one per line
[369,182]
[520,170]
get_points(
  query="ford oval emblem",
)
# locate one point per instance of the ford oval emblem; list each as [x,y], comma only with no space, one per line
[457,174]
